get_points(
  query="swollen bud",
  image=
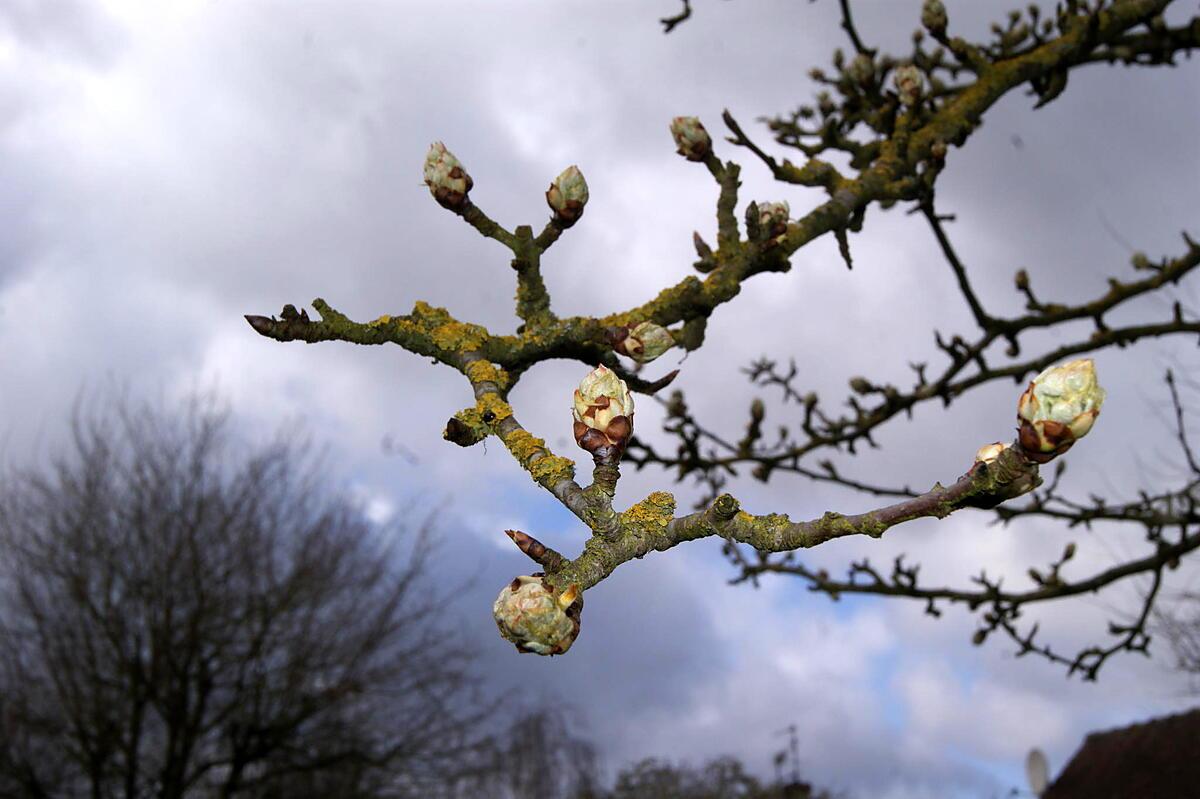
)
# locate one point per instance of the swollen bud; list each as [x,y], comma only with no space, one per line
[447,180]
[933,16]
[532,617]
[909,84]
[861,70]
[860,385]
[772,220]
[567,195]
[603,411]
[1059,407]
[691,139]
[646,342]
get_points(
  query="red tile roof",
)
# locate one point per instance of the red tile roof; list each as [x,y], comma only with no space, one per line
[1159,758]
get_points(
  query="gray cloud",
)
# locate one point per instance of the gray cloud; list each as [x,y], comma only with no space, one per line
[164,170]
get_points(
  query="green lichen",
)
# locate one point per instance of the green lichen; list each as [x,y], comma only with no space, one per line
[770,529]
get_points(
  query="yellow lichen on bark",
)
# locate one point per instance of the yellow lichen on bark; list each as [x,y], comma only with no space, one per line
[652,514]
[498,408]
[546,470]
[486,372]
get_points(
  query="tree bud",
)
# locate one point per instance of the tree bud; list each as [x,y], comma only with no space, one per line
[646,342]
[447,180]
[1059,407]
[933,16]
[691,139]
[603,411]
[861,70]
[909,83]
[567,195]
[529,615]
[988,453]
[772,220]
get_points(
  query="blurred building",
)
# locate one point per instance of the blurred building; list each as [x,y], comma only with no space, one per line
[1158,758]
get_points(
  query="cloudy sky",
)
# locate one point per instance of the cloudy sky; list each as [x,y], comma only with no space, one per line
[168,167]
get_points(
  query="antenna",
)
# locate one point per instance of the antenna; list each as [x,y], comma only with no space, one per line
[1037,771]
[793,747]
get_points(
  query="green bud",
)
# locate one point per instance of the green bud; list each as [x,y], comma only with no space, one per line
[567,196]
[772,219]
[647,341]
[861,70]
[933,16]
[691,139]
[532,617]
[603,411]
[909,84]
[1059,407]
[448,182]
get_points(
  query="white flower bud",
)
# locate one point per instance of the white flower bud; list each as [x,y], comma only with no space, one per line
[691,139]
[529,615]
[933,16]
[1059,407]
[909,84]
[603,411]
[447,180]
[567,195]
[646,342]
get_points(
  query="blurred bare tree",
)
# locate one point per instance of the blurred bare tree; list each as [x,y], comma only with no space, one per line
[180,620]
[1179,624]
[719,778]
[540,753]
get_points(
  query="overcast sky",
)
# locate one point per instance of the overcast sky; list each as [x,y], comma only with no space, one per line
[166,168]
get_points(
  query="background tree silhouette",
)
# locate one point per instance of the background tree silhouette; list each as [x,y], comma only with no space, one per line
[179,617]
